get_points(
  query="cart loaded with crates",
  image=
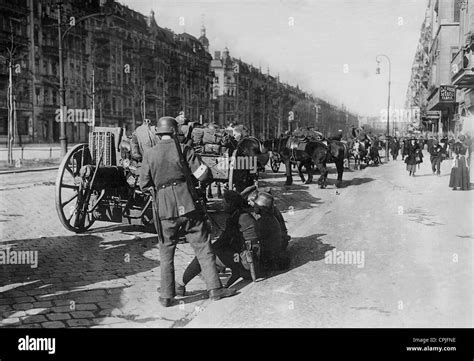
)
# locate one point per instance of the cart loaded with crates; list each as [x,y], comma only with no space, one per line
[220,154]
[96,182]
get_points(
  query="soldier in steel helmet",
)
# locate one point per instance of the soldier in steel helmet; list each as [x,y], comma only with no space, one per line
[251,193]
[143,138]
[272,256]
[178,211]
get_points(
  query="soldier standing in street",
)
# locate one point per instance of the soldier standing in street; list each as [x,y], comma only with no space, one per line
[162,169]
[143,138]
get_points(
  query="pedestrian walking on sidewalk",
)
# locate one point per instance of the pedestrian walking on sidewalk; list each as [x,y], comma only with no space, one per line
[437,154]
[394,147]
[413,158]
[460,171]
[177,211]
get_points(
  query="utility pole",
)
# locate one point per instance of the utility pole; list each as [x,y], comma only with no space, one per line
[62,92]
[10,112]
[93,98]
[144,103]
[388,107]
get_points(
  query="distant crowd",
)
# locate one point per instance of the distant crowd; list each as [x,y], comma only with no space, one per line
[448,147]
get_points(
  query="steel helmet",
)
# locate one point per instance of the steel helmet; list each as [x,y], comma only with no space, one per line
[264,200]
[166,125]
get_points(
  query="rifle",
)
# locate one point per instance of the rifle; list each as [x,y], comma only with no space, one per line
[249,258]
[156,216]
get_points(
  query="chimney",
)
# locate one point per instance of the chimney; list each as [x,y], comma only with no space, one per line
[217,55]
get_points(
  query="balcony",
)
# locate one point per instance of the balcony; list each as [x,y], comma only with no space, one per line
[462,68]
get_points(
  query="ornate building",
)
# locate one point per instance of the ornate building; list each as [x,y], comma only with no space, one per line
[462,69]
[439,75]
[243,94]
[418,87]
[123,65]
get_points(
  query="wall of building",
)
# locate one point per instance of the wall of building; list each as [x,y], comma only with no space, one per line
[138,69]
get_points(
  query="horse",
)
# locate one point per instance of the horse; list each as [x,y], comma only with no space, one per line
[373,153]
[306,153]
[358,152]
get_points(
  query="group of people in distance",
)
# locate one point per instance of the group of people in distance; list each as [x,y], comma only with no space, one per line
[458,151]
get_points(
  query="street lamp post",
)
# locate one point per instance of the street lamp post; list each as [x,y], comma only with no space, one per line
[62,97]
[388,108]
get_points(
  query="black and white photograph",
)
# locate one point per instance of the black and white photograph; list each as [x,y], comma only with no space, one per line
[236,164]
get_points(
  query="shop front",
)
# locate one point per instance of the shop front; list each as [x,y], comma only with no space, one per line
[443,100]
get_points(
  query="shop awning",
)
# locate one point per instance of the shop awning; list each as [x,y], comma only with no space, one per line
[443,97]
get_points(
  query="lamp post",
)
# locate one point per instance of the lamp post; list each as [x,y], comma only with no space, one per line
[62,91]
[62,98]
[388,108]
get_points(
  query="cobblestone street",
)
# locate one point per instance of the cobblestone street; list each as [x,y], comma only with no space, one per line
[107,277]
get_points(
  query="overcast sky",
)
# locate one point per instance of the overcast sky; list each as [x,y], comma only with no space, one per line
[309,42]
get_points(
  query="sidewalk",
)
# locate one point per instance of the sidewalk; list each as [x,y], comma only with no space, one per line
[33,151]
[29,165]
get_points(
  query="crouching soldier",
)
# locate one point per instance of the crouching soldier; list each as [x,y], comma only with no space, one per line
[239,229]
[251,194]
[272,256]
[177,211]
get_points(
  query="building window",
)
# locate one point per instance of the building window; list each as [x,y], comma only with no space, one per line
[38,96]
[22,125]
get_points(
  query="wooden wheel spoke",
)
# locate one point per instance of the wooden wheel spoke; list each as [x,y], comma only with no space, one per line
[69,200]
[69,186]
[72,214]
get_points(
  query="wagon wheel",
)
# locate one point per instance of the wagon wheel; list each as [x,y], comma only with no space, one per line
[73,202]
[275,164]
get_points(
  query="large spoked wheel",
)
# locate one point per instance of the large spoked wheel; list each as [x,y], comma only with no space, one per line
[74,202]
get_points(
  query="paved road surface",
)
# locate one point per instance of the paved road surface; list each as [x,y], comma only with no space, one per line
[416,235]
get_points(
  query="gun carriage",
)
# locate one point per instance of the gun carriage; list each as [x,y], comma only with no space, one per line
[97,182]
